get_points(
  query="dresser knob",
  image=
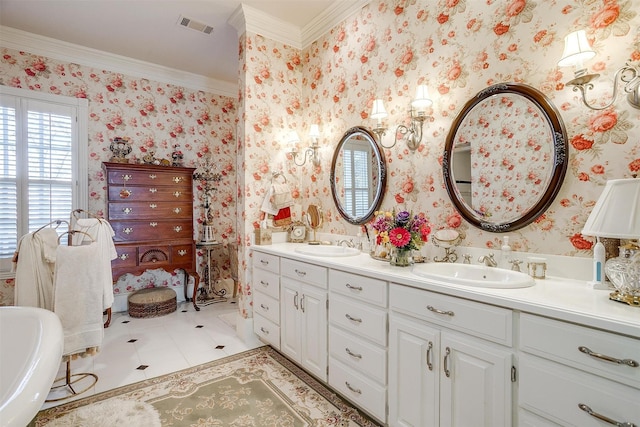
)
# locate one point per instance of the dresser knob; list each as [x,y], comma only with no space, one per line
[177,228]
[153,205]
[124,257]
[153,176]
[177,179]
[177,193]
[127,211]
[126,177]
[153,224]
[182,252]
[177,210]
[127,230]
[153,190]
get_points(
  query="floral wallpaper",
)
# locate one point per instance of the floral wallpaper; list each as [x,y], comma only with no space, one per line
[159,119]
[455,47]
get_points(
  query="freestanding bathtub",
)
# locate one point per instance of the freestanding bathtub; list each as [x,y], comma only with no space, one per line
[31,341]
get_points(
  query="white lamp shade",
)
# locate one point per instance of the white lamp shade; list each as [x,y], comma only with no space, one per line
[314,131]
[422,100]
[293,138]
[617,211]
[576,49]
[378,112]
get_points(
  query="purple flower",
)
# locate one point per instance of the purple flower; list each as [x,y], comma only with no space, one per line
[402,218]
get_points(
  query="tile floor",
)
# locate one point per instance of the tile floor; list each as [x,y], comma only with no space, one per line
[138,349]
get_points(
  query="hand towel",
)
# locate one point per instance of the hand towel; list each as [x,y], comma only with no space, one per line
[267,205]
[34,274]
[281,196]
[77,297]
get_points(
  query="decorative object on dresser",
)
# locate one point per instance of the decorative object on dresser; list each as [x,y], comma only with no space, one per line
[120,148]
[150,208]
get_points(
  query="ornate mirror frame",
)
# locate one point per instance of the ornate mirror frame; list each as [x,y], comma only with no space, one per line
[379,176]
[551,118]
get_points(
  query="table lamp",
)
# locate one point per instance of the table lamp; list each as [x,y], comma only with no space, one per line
[617,215]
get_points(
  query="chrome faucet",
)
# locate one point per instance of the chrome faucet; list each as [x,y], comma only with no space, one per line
[488,260]
[349,243]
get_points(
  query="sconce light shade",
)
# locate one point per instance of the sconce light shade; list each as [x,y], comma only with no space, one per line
[422,101]
[617,211]
[314,131]
[576,50]
[293,138]
[377,111]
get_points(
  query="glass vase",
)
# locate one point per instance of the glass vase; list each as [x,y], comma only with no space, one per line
[401,257]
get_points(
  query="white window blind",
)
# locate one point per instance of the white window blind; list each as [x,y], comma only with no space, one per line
[357,164]
[41,161]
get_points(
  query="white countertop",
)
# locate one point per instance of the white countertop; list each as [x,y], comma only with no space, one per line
[559,298]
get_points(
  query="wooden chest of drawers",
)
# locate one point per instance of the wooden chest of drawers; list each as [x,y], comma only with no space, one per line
[150,209]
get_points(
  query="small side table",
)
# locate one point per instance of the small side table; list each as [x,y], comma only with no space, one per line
[208,293]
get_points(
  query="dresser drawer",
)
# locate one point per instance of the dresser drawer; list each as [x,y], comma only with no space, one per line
[149,178]
[359,354]
[474,318]
[360,319]
[369,395]
[267,307]
[154,229]
[127,257]
[266,282]
[268,331]
[303,272]
[571,344]
[266,262]
[154,256]
[152,193]
[145,210]
[182,254]
[366,289]
[554,391]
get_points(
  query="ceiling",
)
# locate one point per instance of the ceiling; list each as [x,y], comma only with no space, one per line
[148,30]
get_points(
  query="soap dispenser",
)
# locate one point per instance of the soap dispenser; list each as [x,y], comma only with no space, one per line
[505,253]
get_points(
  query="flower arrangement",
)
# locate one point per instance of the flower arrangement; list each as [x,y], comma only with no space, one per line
[402,229]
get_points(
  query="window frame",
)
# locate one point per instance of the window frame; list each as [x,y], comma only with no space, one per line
[80,142]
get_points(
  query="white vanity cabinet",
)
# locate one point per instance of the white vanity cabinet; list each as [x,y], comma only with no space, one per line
[358,340]
[576,375]
[266,298]
[450,361]
[303,315]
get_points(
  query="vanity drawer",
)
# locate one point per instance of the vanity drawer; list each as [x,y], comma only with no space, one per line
[562,342]
[303,272]
[268,331]
[359,354]
[266,282]
[555,391]
[266,262]
[358,318]
[267,307]
[474,318]
[366,289]
[367,394]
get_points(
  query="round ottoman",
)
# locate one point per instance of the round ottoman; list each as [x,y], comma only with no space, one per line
[152,302]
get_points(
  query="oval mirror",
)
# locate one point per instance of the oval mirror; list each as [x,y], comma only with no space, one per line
[505,157]
[358,175]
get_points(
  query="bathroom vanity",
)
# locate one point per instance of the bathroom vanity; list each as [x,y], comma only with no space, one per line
[412,351]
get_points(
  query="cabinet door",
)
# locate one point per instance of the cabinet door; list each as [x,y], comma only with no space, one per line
[313,310]
[475,383]
[289,319]
[413,373]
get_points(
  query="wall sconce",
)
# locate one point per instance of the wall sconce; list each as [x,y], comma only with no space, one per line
[577,50]
[311,152]
[418,112]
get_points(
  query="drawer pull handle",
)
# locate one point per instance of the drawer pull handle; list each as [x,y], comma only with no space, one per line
[302,303]
[264,307]
[263,283]
[153,205]
[153,176]
[182,252]
[153,190]
[295,300]
[177,179]
[628,362]
[124,257]
[435,310]
[263,262]
[264,331]
[429,356]
[355,390]
[353,288]
[127,211]
[153,224]
[126,177]
[177,193]
[127,230]
[352,354]
[177,228]
[601,417]
[353,319]
[300,273]
[177,210]
[446,362]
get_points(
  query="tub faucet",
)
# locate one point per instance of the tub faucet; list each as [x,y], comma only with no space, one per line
[349,243]
[488,260]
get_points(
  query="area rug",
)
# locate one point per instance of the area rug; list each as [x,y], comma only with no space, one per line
[258,387]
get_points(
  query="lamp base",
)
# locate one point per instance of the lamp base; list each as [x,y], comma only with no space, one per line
[633,300]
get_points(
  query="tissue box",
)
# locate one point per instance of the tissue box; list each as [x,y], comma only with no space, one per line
[263,236]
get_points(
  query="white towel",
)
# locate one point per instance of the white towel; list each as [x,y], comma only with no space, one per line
[267,205]
[278,196]
[99,231]
[77,297]
[34,274]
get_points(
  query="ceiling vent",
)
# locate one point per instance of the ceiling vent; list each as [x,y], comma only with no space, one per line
[195,25]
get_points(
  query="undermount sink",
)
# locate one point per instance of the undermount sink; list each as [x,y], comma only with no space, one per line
[327,250]
[474,275]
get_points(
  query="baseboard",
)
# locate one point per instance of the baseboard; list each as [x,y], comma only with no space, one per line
[244,330]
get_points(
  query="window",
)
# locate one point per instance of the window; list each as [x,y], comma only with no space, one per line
[357,173]
[43,172]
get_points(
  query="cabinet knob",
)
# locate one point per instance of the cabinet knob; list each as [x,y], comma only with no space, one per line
[263,330]
[127,230]
[177,210]
[178,179]
[177,228]
[153,224]
[353,319]
[601,417]
[123,256]
[126,177]
[352,354]
[127,211]
[264,307]
[355,390]
[153,205]
[588,352]
[177,193]
[153,176]
[153,190]
[182,252]
[437,311]
[353,288]
[447,372]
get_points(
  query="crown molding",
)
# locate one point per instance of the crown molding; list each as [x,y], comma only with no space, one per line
[56,49]
[337,12]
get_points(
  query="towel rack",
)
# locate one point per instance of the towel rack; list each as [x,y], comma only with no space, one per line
[57,222]
[74,214]
[72,232]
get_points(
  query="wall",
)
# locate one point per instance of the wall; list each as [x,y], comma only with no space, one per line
[158,117]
